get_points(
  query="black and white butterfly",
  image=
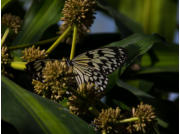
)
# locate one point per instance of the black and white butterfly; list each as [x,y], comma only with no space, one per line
[91,66]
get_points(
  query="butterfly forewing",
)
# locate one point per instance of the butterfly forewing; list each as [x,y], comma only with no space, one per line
[105,60]
[94,66]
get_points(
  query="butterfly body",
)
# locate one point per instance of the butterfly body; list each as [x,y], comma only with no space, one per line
[91,66]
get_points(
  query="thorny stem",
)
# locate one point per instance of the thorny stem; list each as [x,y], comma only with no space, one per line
[36,44]
[132,119]
[73,42]
[5,36]
[18,65]
[61,37]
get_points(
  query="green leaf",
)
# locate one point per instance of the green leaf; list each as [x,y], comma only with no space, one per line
[135,91]
[122,105]
[157,69]
[4,3]
[112,79]
[30,113]
[41,15]
[168,59]
[141,84]
[162,123]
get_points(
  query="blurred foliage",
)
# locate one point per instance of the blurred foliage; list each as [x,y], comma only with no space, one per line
[149,75]
[155,16]
[4,3]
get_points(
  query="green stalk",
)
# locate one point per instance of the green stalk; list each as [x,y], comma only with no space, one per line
[73,42]
[5,36]
[146,15]
[61,37]
[36,44]
[18,65]
[129,120]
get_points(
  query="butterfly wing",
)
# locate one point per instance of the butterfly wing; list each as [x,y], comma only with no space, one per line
[94,66]
[105,60]
[35,68]
[85,74]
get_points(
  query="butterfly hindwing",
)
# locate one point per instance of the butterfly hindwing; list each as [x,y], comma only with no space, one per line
[85,74]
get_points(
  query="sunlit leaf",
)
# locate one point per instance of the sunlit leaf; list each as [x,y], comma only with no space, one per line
[155,16]
[4,3]
[41,15]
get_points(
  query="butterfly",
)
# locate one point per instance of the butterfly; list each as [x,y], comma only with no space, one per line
[91,66]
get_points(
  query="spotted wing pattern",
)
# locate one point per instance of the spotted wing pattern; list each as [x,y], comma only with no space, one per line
[94,66]
[35,68]
[84,74]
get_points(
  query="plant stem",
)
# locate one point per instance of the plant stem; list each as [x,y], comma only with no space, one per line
[132,119]
[146,15]
[18,65]
[61,37]
[37,43]
[73,42]
[5,36]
